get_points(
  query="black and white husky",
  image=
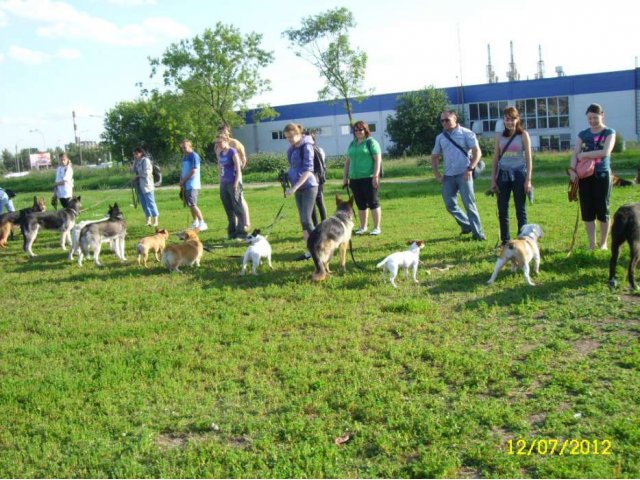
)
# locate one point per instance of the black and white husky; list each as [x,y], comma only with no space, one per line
[329,235]
[62,220]
[92,236]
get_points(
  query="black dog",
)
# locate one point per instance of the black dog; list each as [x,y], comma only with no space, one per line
[62,220]
[626,227]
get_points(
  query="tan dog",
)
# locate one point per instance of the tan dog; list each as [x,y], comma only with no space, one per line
[520,252]
[155,243]
[5,230]
[187,253]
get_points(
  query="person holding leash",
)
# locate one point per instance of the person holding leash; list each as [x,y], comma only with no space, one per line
[462,154]
[304,184]
[230,167]
[594,144]
[5,200]
[362,168]
[511,171]
[223,128]
[63,186]
[190,183]
[144,185]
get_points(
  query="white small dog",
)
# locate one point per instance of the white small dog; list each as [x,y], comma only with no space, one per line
[520,252]
[258,248]
[408,259]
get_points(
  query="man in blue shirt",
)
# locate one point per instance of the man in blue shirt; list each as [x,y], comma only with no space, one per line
[461,152]
[190,183]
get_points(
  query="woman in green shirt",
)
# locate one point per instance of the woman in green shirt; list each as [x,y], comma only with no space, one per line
[362,174]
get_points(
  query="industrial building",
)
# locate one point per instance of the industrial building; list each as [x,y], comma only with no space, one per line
[553,111]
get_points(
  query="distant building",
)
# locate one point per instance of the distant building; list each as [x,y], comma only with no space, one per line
[553,111]
[88,144]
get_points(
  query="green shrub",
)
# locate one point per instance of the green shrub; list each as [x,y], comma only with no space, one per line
[619,146]
[267,162]
[487,146]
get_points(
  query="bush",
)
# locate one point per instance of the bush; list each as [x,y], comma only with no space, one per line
[267,162]
[487,146]
[619,146]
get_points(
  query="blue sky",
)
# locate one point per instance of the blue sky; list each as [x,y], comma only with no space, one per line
[60,56]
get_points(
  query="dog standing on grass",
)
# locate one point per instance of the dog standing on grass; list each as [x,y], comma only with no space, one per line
[626,227]
[112,230]
[258,248]
[62,220]
[187,253]
[329,235]
[520,252]
[408,259]
[155,243]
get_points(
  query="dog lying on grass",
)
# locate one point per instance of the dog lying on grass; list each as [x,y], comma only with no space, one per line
[626,227]
[520,252]
[408,259]
[187,253]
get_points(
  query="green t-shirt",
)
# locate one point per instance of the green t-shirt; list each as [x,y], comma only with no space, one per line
[360,158]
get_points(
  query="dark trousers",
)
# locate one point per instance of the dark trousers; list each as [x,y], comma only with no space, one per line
[511,181]
[232,202]
[594,193]
[320,206]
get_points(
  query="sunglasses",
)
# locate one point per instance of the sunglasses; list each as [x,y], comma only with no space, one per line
[358,129]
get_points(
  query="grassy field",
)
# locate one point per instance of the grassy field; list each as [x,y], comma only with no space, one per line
[132,372]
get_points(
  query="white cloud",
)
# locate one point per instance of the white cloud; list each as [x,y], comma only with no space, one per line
[62,20]
[2,57]
[34,57]
[4,20]
[133,3]
[27,56]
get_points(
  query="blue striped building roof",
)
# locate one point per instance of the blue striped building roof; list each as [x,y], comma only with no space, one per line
[546,87]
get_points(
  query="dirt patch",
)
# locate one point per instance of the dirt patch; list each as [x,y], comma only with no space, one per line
[585,347]
[537,420]
[169,441]
[468,472]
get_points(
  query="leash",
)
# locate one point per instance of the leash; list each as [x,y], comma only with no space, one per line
[283,178]
[572,194]
[353,258]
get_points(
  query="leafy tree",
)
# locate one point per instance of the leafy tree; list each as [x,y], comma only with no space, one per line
[416,123]
[324,40]
[8,161]
[218,72]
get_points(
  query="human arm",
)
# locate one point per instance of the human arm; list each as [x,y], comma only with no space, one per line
[435,163]
[476,155]
[345,172]
[605,151]
[237,165]
[494,165]
[307,169]
[574,160]
[528,158]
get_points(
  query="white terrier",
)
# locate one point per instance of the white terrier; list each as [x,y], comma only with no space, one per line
[408,259]
[258,248]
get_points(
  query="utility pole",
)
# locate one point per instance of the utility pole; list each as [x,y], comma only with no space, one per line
[75,133]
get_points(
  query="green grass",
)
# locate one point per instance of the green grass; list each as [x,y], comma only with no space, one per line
[132,372]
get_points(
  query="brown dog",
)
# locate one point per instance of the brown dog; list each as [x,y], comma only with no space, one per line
[5,230]
[520,252]
[187,253]
[155,243]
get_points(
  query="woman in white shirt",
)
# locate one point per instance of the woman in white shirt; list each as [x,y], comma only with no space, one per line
[64,180]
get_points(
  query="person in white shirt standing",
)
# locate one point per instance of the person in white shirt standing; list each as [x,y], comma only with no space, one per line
[63,187]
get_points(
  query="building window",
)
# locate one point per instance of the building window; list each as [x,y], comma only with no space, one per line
[549,112]
[555,142]
[321,131]
[277,135]
[487,113]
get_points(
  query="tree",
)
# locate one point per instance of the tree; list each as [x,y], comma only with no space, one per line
[218,71]
[416,123]
[324,40]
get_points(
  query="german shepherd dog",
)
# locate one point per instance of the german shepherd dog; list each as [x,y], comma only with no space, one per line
[8,220]
[334,232]
[62,220]
[626,227]
[92,236]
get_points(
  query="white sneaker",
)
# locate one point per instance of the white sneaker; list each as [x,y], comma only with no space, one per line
[202,226]
[360,231]
[195,224]
[375,231]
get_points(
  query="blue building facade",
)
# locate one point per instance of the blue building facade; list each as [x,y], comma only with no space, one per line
[553,111]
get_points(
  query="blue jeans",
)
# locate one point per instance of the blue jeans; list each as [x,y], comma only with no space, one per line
[511,181]
[148,203]
[470,222]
